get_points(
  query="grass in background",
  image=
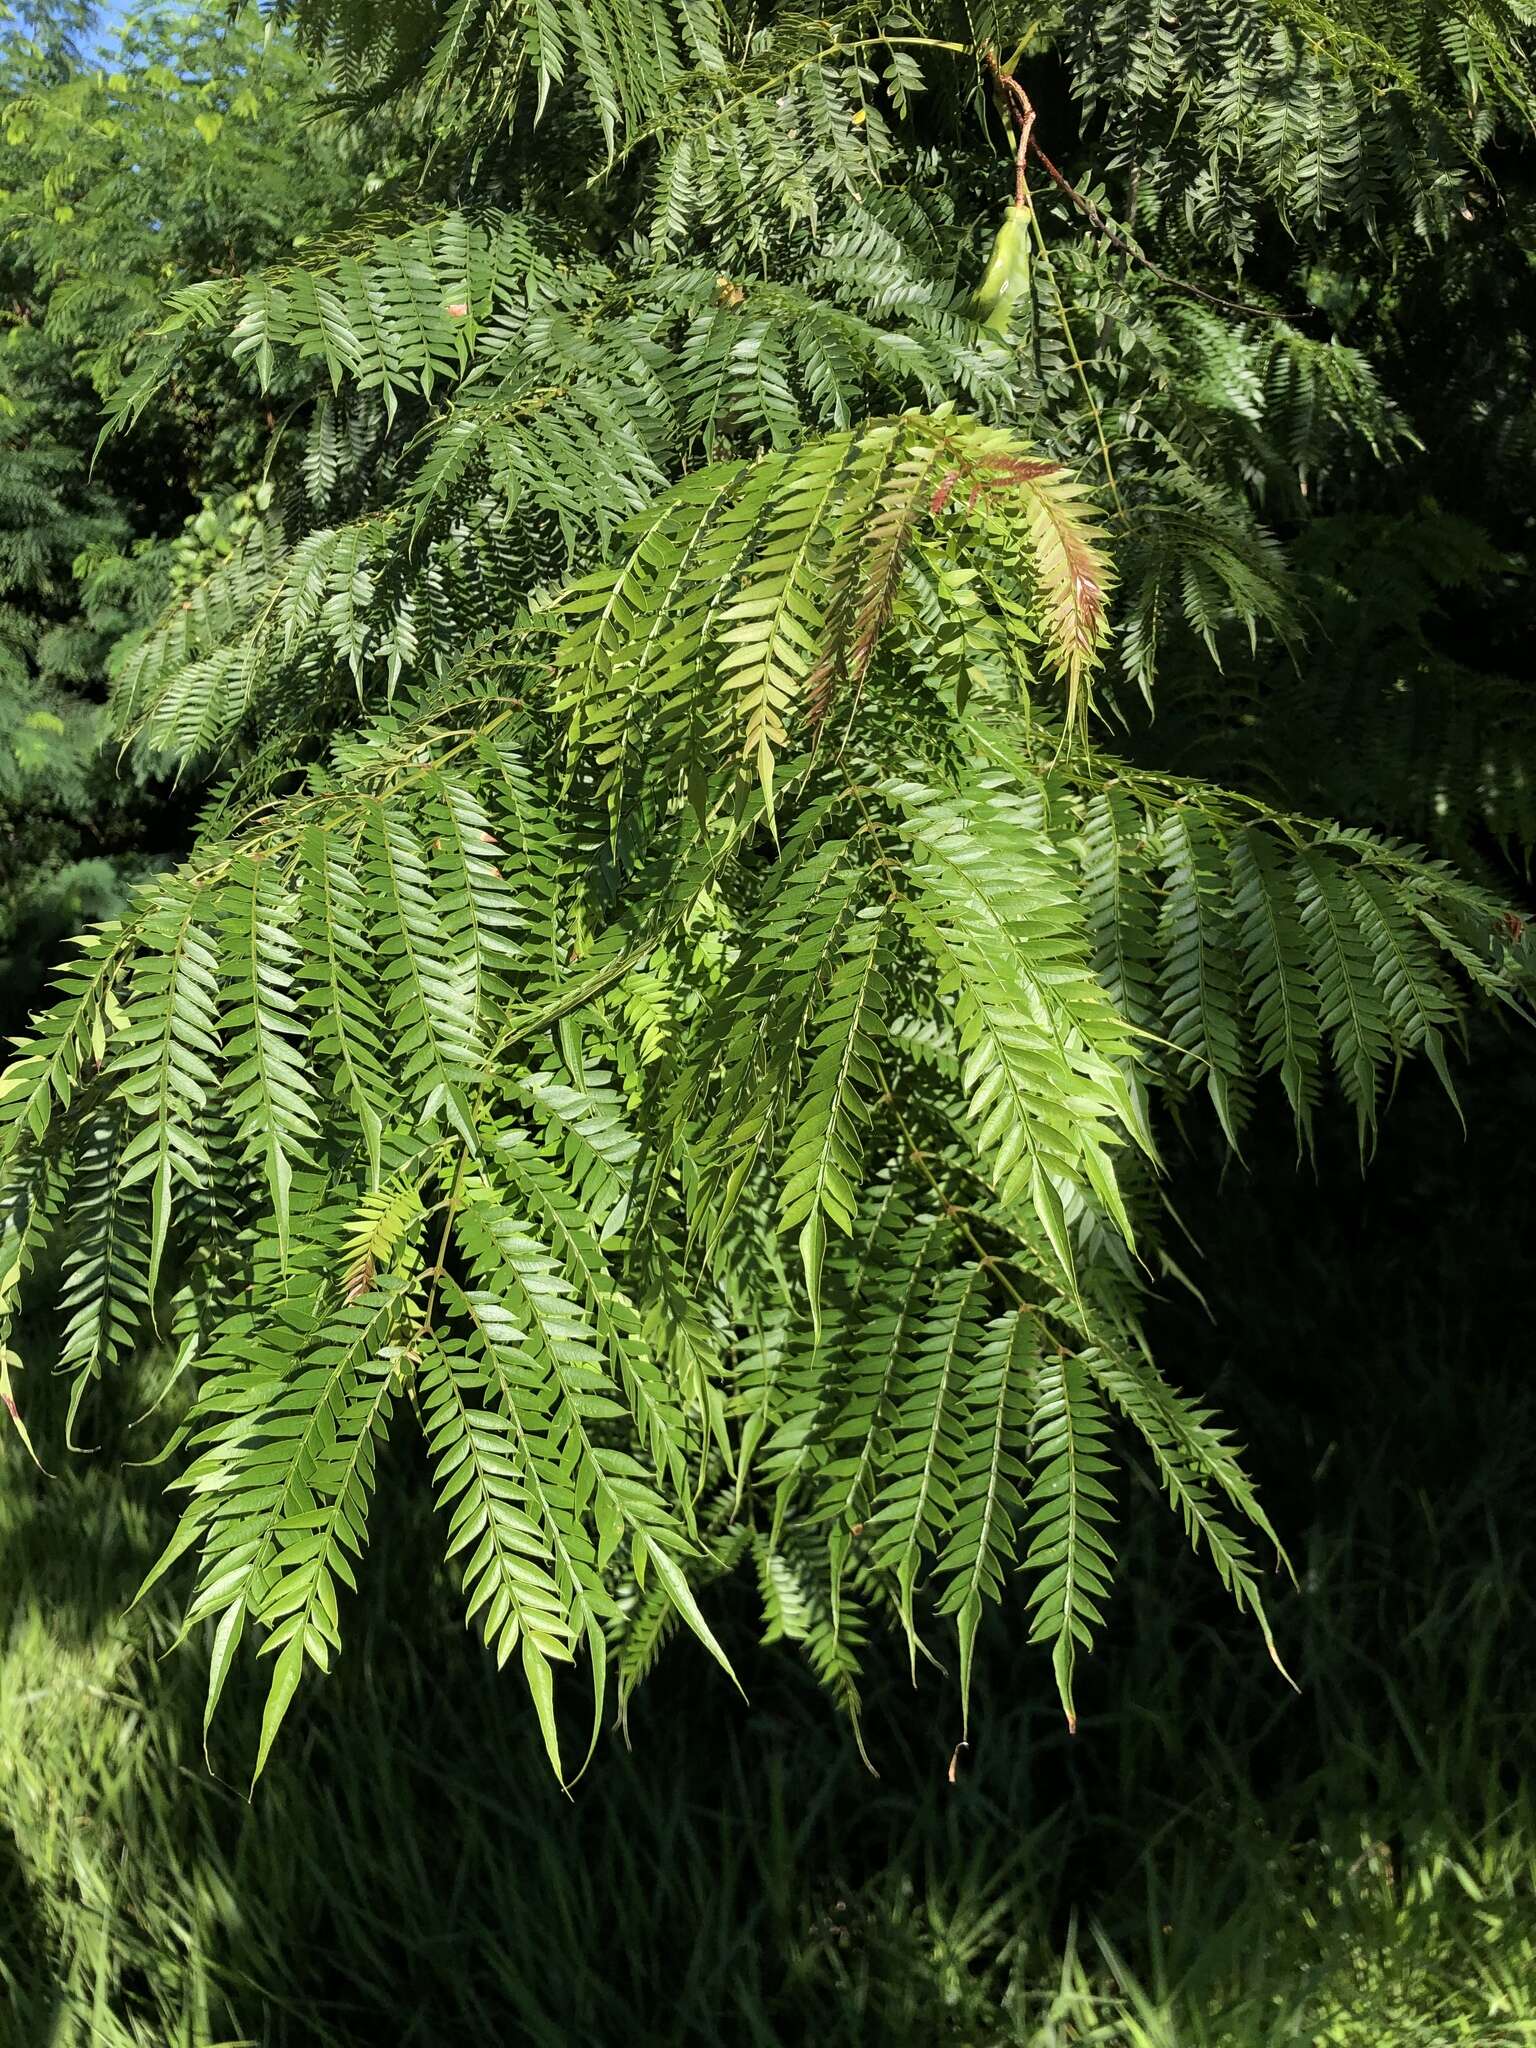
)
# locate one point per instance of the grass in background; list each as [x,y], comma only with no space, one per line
[1212,1863]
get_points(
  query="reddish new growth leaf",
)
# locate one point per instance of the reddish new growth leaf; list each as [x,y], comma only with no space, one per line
[870,596]
[942,495]
[866,570]
[1017,469]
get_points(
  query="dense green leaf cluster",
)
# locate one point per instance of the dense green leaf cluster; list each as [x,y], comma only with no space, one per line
[538,1062]
[672,998]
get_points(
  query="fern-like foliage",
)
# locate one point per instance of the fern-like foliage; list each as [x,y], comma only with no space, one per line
[673,998]
[487,403]
[1334,108]
[1399,728]
[699,1068]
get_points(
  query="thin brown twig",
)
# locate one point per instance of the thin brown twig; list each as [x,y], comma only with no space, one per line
[1010,90]
[1026,117]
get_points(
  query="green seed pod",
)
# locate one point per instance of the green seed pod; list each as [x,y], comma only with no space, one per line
[1007,273]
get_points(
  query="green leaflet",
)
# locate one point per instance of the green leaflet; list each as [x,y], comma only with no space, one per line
[891,1309]
[919,1497]
[822,1156]
[1200,994]
[1195,1462]
[547,1199]
[1047,1096]
[166,1062]
[348,1026]
[105,1290]
[1281,993]
[1069,1508]
[283,1474]
[270,1095]
[991,1475]
[511,1572]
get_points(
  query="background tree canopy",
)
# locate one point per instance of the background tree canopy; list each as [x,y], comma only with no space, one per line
[751,699]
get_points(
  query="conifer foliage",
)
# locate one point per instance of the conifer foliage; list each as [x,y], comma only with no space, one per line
[676,1001]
